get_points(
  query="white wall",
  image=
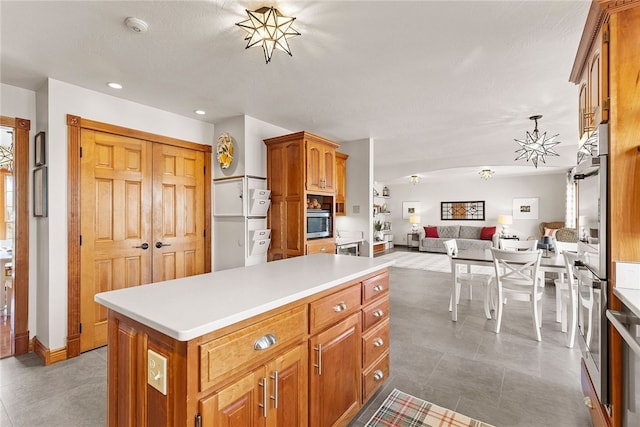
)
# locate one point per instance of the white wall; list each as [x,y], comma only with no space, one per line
[18,102]
[498,194]
[64,99]
[359,191]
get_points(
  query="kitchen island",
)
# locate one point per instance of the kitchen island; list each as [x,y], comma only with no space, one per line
[301,341]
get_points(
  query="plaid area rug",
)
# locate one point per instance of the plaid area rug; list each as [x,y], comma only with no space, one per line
[402,409]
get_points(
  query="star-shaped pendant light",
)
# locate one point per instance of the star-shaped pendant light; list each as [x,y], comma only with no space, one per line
[268,28]
[535,146]
[589,147]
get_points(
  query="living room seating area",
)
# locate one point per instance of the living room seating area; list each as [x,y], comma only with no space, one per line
[432,238]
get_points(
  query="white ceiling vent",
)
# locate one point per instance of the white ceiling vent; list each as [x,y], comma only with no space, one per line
[136,25]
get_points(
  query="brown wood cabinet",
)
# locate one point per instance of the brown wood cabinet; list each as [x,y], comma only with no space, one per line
[321,246]
[606,70]
[341,183]
[299,165]
[297,365]
[593,78]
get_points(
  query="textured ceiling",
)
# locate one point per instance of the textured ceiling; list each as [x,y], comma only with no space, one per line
[436,84]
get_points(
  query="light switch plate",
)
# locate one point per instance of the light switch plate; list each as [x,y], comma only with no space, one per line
[157,371]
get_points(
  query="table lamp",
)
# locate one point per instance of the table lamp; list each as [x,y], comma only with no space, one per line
[414,220]
[505,221]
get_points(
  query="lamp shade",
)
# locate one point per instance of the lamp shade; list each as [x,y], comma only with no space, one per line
[505,219]
[414,219]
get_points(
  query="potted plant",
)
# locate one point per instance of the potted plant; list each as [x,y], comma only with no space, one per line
[377,226]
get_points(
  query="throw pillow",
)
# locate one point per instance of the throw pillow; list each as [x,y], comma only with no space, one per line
[550,231]
[431,231]
[487,233]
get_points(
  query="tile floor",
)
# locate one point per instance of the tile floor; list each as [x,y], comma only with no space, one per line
[507,379]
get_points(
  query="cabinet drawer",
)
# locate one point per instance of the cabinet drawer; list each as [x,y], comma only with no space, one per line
[374,343]
[375,313]
[332,308]
[375,286]
[321,248]
[374,377]
[229,354]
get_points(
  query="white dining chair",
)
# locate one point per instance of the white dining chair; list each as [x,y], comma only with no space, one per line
[561,282]
[569,298]
[518,277]
[518,245]
[468,278]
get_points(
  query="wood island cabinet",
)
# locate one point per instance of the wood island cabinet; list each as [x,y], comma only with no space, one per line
[299,166]
[311,362]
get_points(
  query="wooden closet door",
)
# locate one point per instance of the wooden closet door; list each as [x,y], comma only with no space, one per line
[115,223]
[178,212]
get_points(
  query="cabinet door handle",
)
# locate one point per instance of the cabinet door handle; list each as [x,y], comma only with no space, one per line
[378,342]
[274,377]
[319,365]
[587,402]
[340,307]
[378,375]
[160,244]
[378,313]
[264,342]
[263,405]
[143,246]
[378,288]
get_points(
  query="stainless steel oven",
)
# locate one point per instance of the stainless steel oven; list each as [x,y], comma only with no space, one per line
[591,176]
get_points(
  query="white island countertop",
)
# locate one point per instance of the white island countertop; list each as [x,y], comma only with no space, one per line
[193,306]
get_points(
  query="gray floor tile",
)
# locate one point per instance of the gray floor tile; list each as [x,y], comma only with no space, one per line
[505,379]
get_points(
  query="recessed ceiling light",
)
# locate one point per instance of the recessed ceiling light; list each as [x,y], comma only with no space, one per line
[114,85]
[200,112]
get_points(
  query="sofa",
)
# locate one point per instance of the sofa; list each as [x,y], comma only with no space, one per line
[467,237]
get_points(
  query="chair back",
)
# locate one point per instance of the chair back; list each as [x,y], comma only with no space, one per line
[518,245]
[519,268]
[570,259]
[565,246]
[452,247]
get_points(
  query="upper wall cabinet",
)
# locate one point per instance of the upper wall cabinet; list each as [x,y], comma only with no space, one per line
[341,183]
[591,73]
[321,170]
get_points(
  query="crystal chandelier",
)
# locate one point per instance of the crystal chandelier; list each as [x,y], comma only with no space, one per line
[414,179]
[268,28]
[535,146]
[486,173]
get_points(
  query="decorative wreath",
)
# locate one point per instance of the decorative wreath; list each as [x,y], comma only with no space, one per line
[225,150]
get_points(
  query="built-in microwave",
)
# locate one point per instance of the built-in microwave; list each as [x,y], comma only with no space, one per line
[318,223]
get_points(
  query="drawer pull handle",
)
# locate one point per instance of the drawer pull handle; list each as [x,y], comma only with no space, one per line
[378,375]
[265,342]
[378,288]
[378,313]
[263,405]
[340,307]
[274,377]
[319,365]
[322,249]
[587,402]
[378,342]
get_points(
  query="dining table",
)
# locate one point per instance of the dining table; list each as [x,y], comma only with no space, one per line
[553,262]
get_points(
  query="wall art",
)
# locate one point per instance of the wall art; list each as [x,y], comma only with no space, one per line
[462,211]
[525,208]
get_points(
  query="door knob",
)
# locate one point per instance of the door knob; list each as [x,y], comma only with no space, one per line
[143,246]
[160,244]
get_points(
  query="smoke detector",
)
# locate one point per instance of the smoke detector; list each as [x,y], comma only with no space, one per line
[136,25]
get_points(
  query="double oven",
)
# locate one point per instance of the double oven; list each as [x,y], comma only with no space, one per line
[591,176]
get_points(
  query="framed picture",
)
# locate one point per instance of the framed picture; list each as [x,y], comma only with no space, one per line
[466,211]
[40,150]
[40,191]
[410,208]
[526,208]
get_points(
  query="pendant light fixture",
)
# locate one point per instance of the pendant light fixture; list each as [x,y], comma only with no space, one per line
[268,28]
[535,146]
